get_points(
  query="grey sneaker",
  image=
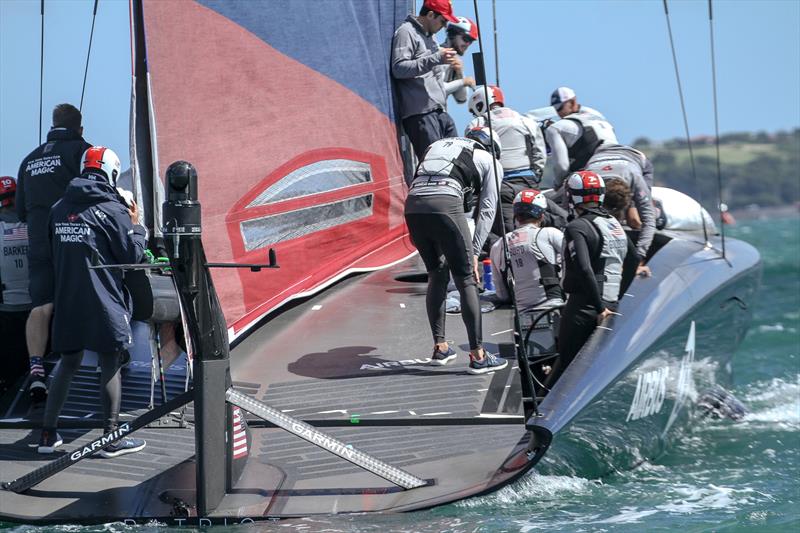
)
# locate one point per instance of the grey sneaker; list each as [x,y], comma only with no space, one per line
[490,363]
[440,359]
[123,446]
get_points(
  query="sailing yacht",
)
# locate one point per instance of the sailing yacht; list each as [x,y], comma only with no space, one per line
[332,407]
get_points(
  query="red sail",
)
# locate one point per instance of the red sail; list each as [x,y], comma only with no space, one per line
[286,111]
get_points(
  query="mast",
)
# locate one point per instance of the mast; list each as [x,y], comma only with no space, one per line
[716,126]
[142,137]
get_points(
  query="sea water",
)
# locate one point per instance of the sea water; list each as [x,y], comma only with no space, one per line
[719,476]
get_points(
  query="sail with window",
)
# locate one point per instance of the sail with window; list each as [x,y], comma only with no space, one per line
[286,110]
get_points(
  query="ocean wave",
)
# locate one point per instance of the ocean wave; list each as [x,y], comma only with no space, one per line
[691,499]
[696,499]
[776,401]
[779,327]
[776,389]
[534,487]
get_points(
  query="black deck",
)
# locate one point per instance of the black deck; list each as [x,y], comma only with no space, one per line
[353,356]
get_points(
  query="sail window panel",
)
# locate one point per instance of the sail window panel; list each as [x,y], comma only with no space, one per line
[322,176]
[270,230]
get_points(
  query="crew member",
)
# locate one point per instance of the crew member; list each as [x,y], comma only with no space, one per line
[15,302]
[574,138]
[617,202]
[619,162]
[453,172]
[460,35]
[523,159]
[43,176]
[597,266]
[535,253]
[92,307]
[420,85]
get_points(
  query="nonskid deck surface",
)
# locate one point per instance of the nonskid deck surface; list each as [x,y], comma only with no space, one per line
[356,355]
[95,486]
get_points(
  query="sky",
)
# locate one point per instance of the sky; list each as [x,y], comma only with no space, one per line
[615,54]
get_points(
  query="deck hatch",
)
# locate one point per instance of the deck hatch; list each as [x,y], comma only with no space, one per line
[270,230]
[323,176]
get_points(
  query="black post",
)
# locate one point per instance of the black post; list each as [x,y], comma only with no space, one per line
[207,331]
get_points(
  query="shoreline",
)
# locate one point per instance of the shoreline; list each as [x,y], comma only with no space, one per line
[759,213]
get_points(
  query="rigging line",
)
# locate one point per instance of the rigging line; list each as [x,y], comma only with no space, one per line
[685,120]
[520,348]
[88,54]
[716,123]
[41,73]
[496,50]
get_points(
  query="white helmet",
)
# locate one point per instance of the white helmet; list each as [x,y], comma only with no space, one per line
[483,136]
[102,159]
[477,102]
[529,203]
[465,27]
[584,187]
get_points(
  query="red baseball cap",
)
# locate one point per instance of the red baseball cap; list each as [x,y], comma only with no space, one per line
[443,7]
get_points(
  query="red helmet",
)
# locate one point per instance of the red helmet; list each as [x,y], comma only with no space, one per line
[8,188]
[102,159]
[529,203]
[584,187]
[464,26]
[477,102]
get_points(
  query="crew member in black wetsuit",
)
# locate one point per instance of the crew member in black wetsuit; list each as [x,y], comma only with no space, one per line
[42,178]
[451,173]
[599,263]
[92,308]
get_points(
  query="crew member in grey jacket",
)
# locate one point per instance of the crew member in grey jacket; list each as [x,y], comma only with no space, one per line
[460,36]
[574,139]
[420,84]
[616,161]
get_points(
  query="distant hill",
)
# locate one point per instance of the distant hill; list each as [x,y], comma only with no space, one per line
[757,168]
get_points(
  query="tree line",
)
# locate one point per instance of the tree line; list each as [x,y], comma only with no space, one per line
[756,168]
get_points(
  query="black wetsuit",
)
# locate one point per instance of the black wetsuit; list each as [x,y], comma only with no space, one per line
[582,265]
[434,213]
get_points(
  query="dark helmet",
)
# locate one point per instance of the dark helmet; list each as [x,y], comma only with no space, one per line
[484,137]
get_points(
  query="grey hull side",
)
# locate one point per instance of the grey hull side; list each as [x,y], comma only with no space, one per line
[631,387]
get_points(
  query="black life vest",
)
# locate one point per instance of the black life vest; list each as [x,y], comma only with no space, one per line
[452,158]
